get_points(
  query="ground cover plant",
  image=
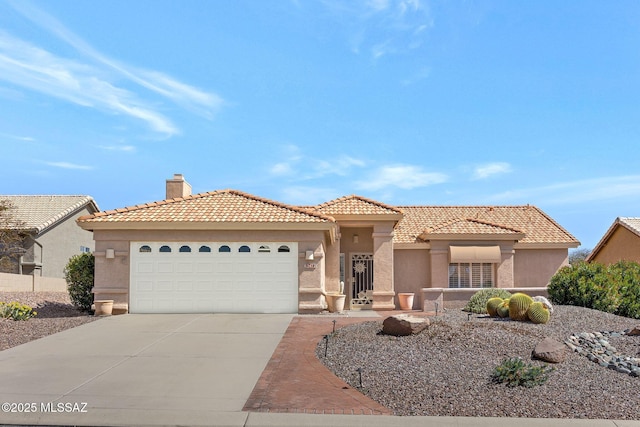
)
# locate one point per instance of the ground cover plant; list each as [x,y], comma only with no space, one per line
[16,311]
[478,301]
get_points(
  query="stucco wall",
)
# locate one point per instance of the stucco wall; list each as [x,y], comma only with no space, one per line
[62,242]
[535,267]
[112,275]
[622,245]
[411,272]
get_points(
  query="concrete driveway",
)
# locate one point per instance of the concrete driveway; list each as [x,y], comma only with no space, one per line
[191,369]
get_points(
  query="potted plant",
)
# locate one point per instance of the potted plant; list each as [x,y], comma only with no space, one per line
[335,301]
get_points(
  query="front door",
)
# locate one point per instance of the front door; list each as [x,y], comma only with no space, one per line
[361,281]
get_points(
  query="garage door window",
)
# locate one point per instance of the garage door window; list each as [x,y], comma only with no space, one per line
[185,249]
[145,248]
[165,249]
[284,248]
[264,249]
[204,249]
[244,248]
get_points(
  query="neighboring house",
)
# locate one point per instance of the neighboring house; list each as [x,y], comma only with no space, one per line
[228,251]
[620,242]
[53,235]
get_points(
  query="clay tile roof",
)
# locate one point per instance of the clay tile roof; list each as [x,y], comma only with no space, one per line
[469,226]
[632,223]
[39,212]
[537,226]
[356,205]
[216,206]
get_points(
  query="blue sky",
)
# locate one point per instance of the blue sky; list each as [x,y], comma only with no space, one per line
[409,102]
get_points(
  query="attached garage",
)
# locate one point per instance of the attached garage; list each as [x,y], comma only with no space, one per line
[214,277]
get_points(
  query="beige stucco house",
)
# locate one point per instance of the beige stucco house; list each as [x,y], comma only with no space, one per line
[228,251]
[52,235]
[620,242]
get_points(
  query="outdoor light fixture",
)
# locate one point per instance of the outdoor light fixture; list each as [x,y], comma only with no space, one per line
[355,238]
[309,256]
[110,253]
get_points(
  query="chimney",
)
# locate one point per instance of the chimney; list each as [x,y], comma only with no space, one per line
[178,187]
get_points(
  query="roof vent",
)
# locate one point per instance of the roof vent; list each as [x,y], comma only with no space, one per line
[178,187]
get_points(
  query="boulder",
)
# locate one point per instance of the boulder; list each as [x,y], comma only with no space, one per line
[634,331]
[550,350]
[404,324]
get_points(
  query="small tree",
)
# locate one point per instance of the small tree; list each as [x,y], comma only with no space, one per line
[11,237]
[79,276]
[578,255]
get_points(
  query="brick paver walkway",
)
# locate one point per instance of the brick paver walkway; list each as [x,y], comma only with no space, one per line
[294,380]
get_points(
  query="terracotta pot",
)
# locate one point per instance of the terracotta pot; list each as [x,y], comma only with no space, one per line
[103,307]
[406,300]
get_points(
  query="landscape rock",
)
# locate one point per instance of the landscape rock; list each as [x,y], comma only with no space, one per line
[550,350]
[634,331]
[404,324]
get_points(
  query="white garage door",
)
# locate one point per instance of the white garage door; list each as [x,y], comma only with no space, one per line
[213,277]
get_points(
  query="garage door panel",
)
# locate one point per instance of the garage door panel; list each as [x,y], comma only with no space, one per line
[202,285]
[144,267]
[163,285]
[259,281]
[185,285]
[185,267]
[243,267]
[165,267]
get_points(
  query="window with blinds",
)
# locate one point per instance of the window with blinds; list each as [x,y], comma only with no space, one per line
[471,275]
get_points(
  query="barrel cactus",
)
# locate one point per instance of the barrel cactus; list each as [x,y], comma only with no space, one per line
[538,312]
[518,305]
[492,306]
[503,309]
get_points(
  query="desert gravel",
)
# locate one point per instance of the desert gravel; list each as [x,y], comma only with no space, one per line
[55,314]
[446,370]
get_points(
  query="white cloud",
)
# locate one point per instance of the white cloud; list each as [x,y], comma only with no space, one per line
[90,85]
[306,168]
[383,27]
[341,166]
[66,165]
[572,192]
[126,148]
[17,137]
[406,177]
[491,169]
[29,66]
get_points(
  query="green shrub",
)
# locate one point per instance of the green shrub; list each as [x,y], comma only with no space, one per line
[627,274]
[514,372]
[79,276]
[478,301]
[614,288]
[16,311]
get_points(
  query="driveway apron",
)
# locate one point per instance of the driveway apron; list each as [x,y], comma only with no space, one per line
[151,369]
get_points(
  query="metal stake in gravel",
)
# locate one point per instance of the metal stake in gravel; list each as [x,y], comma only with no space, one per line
[326,345]
[359,370]
[468,317]
[334,325]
